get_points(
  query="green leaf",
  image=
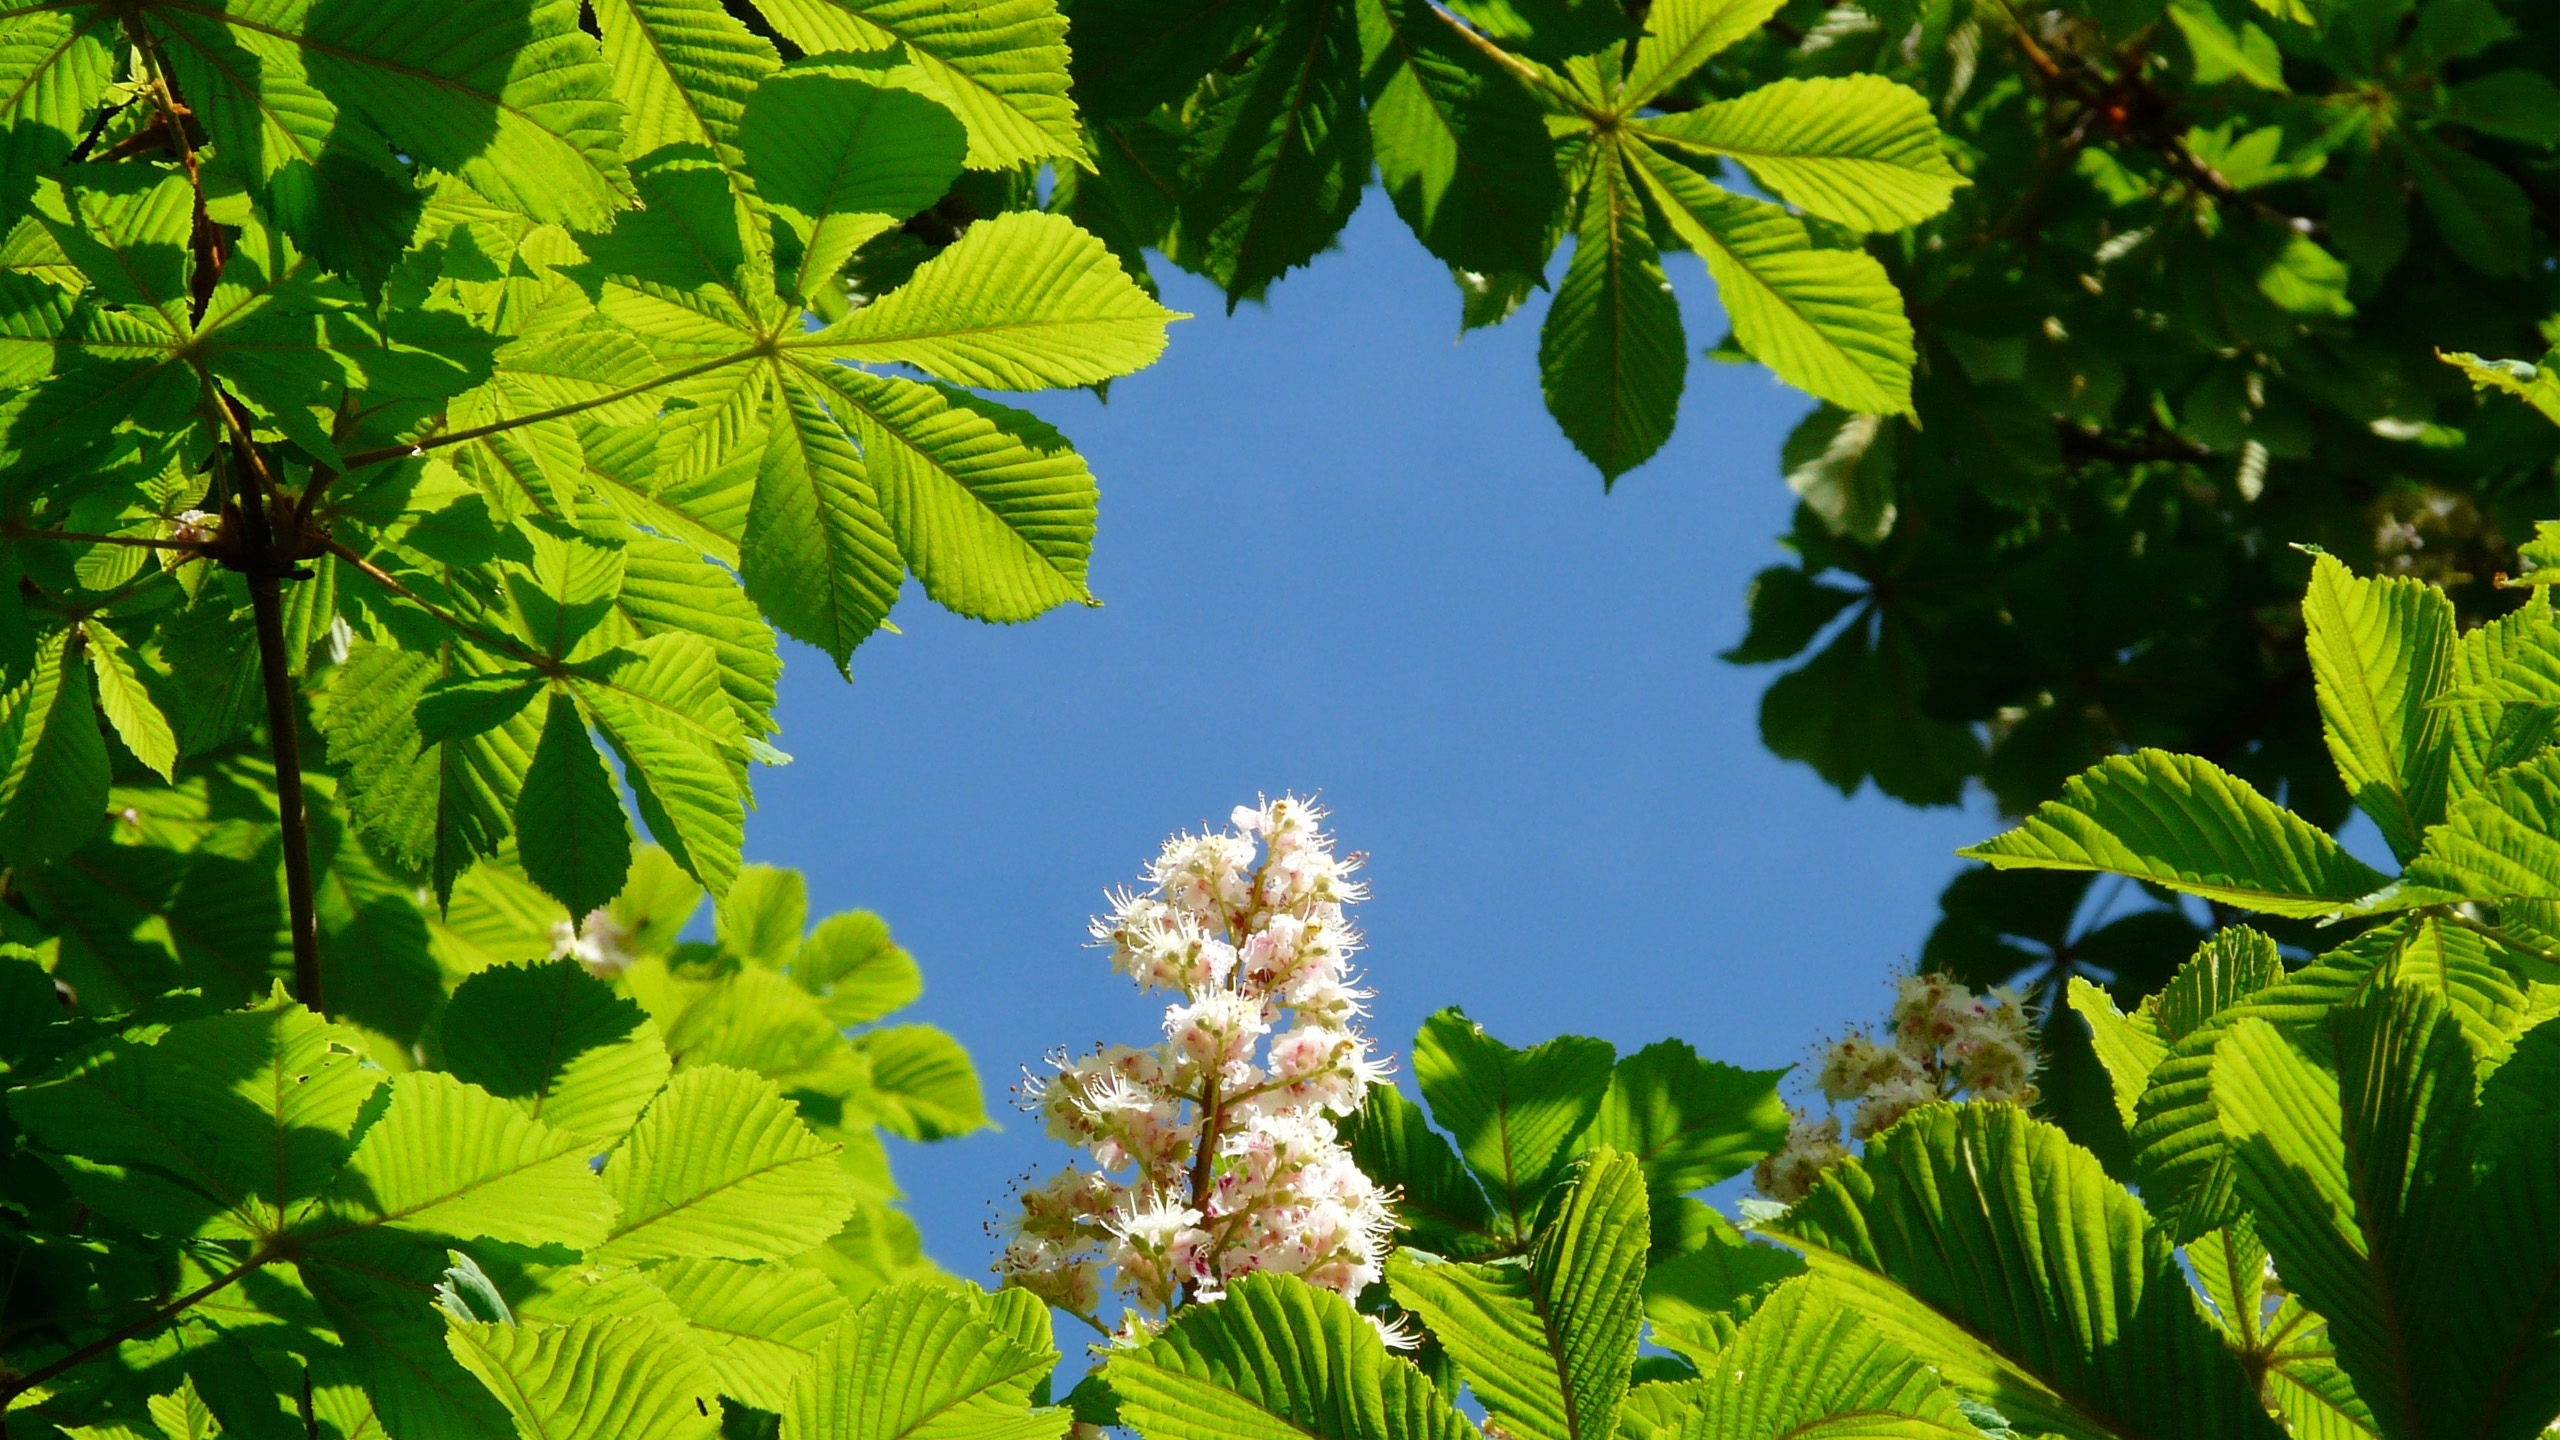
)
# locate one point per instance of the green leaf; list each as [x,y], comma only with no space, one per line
[2188,824]
[2535,385]
[991,510]
[53,760]
[1001,65]
[125,703]
[244,1114]
[1695,1299]
[1611,356]
[720,1166]
[923,1083]
[2281,1112]
[628,1377]
[1987,1244]
[1516,1113]
[507,94]
[1548,1349]
[1133,56]
[1550,29]
[2508,1265]
[682,70]
[1860,149]
[1439,1207]
[761,917]
[2223,53]
[759,1325]
[1277,1359]
[2483,216]
[452,1159]
[570,833]
[2381,653]
[857,973]
[1461,146]
[54,66]
[2129,1046]
[1828,322]
[843,152]
[817,554]
[1805,1366]
[660,706]
[1688,1122]
[1025,301]
[930,1361]
[2498,846]
[429,805]
[555,1042]
[1278,151]
[1681,35]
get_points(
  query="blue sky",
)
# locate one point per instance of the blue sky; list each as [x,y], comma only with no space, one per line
[1340,553]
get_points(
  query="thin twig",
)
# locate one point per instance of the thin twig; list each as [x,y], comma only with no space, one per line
[447,618]
[95,1348]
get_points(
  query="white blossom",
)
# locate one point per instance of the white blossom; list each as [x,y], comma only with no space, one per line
[1217,1151]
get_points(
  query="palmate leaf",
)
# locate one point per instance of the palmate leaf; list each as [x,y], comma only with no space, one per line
[126,703]
[2382,653]
[928,1361]
[1550,29]
[244,1115]
[1002,66]
[1829,322]
[857,973]
[1517,1114]
[1547,1347]
[1688,1122]
[1987,1244]
[1277,1359]
[1860,150]
[668,586]
[555,1042]
[659,705]
[2184,822]
[2497,845]
[1611,356]
[1133,56]
[720,1166]
[2489,723]
[599,1375]
[1696,1299]
[1461,146]
[1025,301]
[377,1290]
[759,1325]
[1278,151]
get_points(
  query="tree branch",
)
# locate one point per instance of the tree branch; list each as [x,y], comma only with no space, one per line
[95,1348]
[447,618]
[75,537]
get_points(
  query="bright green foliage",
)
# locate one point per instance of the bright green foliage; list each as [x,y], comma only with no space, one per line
[500,420]
[1496,135]
[630,1221]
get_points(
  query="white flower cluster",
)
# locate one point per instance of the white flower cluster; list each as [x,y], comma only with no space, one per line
[1216,1148]
[601,944]
[1945,1042]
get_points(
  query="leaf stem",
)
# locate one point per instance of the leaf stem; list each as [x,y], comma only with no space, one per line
[437,442]
[1534,76]
[95,1348]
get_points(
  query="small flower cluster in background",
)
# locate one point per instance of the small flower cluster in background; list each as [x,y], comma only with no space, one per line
[1943,1043]
[1215,1151]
